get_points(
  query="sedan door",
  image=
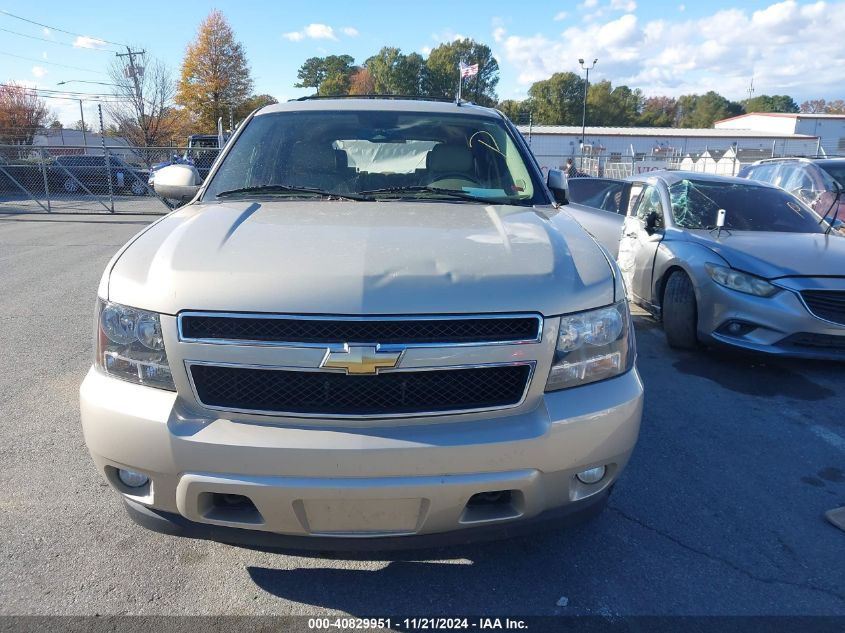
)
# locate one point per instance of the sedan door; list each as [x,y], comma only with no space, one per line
[642,233]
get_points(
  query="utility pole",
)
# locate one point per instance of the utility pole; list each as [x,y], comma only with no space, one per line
[584,112]
[751,88]
[134,71]
[82,120]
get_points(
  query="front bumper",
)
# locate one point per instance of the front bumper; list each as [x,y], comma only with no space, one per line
[782,324]
[373,482]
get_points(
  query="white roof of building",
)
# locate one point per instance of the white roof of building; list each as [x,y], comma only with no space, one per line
[784,115]
[668,132]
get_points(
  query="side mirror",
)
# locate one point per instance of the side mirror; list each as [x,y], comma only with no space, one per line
[177,182]
[652,221]
[557,184]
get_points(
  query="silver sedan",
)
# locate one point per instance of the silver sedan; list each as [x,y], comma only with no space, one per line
[729,261]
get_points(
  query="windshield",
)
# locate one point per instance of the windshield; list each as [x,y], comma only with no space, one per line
[748,207]
[381,154]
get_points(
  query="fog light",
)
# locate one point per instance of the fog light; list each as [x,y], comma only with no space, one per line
[132,479]
[592,476]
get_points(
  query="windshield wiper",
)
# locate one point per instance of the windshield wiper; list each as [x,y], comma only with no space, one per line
[452,193]
[270,189]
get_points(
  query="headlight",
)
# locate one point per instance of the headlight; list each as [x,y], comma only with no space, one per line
[130,345]
[592,346]
[741,282]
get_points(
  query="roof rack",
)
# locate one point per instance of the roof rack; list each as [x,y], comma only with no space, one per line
[396,97]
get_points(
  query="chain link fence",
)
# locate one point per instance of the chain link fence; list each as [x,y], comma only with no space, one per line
[65,179]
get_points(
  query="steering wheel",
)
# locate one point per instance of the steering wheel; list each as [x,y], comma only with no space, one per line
[455,176]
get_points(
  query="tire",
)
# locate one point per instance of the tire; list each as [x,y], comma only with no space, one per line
[680,312]
[138,188]
[70,185]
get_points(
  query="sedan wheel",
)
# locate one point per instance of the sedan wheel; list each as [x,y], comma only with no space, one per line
[137,187]
[680,312]
[71,186]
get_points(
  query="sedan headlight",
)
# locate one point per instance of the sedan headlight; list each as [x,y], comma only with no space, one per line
[592,346]
[130,345]
[741,282]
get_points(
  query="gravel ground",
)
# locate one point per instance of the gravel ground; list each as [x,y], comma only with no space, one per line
[720,511]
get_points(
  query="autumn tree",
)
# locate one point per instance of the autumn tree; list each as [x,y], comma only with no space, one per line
[441,72]
[215,76]
[361,82]
[143,111]
[822,106]
[659,111]
[22,114]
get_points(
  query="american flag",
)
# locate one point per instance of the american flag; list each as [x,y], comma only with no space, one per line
[469,71]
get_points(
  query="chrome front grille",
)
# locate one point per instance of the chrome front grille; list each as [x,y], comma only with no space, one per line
[307,366]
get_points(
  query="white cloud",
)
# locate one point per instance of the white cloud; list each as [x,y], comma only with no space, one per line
[499,33]
[560,15]
[47,32]
[320,32]
[628,6]
[682,7]
[38,71]
[786,46]
[316,31]
[44,55]
[425,50]
[83,41]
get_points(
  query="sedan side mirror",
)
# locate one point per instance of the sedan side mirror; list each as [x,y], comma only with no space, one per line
[556,181]
[177,182]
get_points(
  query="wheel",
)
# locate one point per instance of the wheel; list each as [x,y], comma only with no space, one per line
[680,312]
[138,188]
[70,185]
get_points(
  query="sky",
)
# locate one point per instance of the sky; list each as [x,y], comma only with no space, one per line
[662,47]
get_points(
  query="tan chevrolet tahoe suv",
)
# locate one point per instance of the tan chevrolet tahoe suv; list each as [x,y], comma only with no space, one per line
[372,326]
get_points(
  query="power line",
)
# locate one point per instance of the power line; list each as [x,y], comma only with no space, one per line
[44,61]
[44,39]
[53,28]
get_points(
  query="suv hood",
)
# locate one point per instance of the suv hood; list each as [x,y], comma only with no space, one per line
[336,257]
[772,254]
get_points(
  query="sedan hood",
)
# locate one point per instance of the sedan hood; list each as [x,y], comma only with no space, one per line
[337,257]
[773,255]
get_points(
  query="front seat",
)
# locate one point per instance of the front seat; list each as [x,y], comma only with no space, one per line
[450,166]
[314,166]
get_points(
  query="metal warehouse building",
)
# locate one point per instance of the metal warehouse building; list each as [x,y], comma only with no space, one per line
[614,149]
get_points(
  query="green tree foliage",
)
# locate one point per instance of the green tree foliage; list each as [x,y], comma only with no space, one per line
[517,111]
[770,103]
[557,100]
[394,73]
[607,105]
[441,77]
[703,110]
[329,75]
[253,103]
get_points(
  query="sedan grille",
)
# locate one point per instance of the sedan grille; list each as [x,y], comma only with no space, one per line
[314,330]
[276,391]
[815,342]
[826,304]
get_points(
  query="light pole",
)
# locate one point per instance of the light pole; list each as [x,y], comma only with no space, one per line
[584,112]
[81,113]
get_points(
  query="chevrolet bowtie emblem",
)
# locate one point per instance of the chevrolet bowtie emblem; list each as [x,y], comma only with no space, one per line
[360,359]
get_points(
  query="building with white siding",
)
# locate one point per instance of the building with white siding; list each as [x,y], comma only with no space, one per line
[828,128]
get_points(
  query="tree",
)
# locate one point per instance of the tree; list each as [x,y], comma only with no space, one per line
[821,106]
[80,126]
[361,82]
[557,100]
[253,103]
[607,105]
[394,73]
[770,103]
[704,110]
[659,112]
[330,75]
[519,112]
[55,124]
[441,72]
[145,92]
[215,75]
[22,114]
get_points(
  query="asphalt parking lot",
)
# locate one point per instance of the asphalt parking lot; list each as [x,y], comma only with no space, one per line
[719,513]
